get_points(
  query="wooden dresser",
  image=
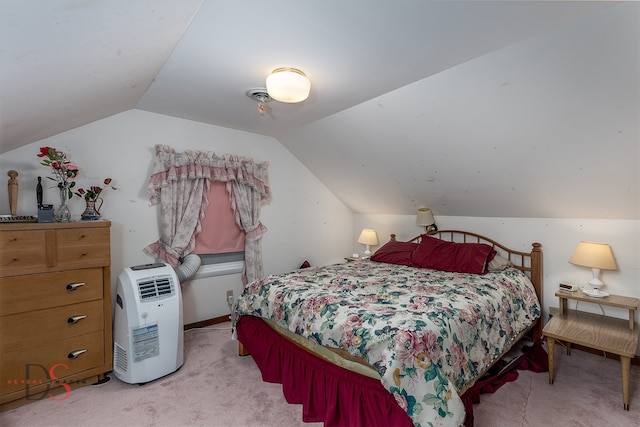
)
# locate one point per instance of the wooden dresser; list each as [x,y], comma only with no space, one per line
[55,309]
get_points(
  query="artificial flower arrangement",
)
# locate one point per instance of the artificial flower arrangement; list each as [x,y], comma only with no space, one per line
[63,170]
[93,193]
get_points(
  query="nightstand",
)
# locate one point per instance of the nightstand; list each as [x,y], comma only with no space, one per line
[608,334]
[352,259]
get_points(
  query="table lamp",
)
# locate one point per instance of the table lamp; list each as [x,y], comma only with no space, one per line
[425,219]
[368,237]
[596,256]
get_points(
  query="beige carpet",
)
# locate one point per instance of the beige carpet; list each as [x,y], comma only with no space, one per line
[217,388]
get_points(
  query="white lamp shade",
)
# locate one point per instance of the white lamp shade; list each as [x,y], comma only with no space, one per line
[425,217]
[594,255]
[368,237]
[288,85]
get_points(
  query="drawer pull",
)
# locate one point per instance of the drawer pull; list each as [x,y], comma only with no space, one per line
[74,286]
[75,319]
[76,354]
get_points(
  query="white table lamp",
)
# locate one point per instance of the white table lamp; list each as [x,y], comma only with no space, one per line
[368,237]
[597,256]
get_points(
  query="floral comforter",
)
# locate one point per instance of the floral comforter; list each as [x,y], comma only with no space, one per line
[428,333]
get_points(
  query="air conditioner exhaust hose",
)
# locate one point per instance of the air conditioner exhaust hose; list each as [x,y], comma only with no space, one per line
[188,268]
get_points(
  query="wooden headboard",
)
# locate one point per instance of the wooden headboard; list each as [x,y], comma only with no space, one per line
[529,263]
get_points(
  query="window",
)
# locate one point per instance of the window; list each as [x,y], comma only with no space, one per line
[220,244]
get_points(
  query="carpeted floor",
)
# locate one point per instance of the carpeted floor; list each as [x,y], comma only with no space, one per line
[215,387]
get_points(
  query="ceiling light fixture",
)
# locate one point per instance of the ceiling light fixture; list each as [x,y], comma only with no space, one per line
[288,85]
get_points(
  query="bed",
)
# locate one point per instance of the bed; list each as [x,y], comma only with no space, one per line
[397,339]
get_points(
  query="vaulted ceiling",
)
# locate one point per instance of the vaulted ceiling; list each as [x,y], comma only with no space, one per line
[473,108]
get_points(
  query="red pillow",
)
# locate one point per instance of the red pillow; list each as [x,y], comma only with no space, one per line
[395,252]
[451,256]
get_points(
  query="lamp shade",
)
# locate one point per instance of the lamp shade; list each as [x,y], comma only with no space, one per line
[368,237]
[288,85]
[594,255]
[425,217]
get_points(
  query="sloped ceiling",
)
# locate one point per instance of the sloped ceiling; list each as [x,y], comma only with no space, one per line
[66,63]
[503,109]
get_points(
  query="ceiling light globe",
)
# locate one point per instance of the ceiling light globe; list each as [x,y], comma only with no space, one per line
[288,85]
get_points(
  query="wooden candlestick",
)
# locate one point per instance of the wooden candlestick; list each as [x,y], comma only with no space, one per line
[13,191]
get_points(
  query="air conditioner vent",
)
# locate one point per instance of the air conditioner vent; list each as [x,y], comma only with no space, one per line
[155,288]
[120,358]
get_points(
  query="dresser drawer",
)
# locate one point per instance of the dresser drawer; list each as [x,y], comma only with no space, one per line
[48,249]
[22,330]
[78,247]
[22,251]
[39,291]
[39,360]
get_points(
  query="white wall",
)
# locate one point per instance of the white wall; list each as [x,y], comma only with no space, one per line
[559,238]
[304,220]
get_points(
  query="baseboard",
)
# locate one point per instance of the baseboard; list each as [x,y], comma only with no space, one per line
[208,322]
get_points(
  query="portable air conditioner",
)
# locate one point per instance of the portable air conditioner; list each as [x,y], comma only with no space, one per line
[148,334]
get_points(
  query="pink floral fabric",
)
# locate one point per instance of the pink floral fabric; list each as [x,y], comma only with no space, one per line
[428,333]
[180,185]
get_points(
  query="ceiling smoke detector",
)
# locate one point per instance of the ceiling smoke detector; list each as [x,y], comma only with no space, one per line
[259,95]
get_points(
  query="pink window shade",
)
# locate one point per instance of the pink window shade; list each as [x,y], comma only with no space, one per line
[220,233]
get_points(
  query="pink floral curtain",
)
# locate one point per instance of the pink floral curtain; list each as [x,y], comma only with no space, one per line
[180,185]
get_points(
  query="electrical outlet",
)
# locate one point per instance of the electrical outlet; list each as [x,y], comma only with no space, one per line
[230,297]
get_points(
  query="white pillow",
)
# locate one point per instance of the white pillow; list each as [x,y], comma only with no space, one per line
[499,263]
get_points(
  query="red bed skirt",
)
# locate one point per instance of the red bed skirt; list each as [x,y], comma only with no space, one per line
[336,396]
[328,393]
